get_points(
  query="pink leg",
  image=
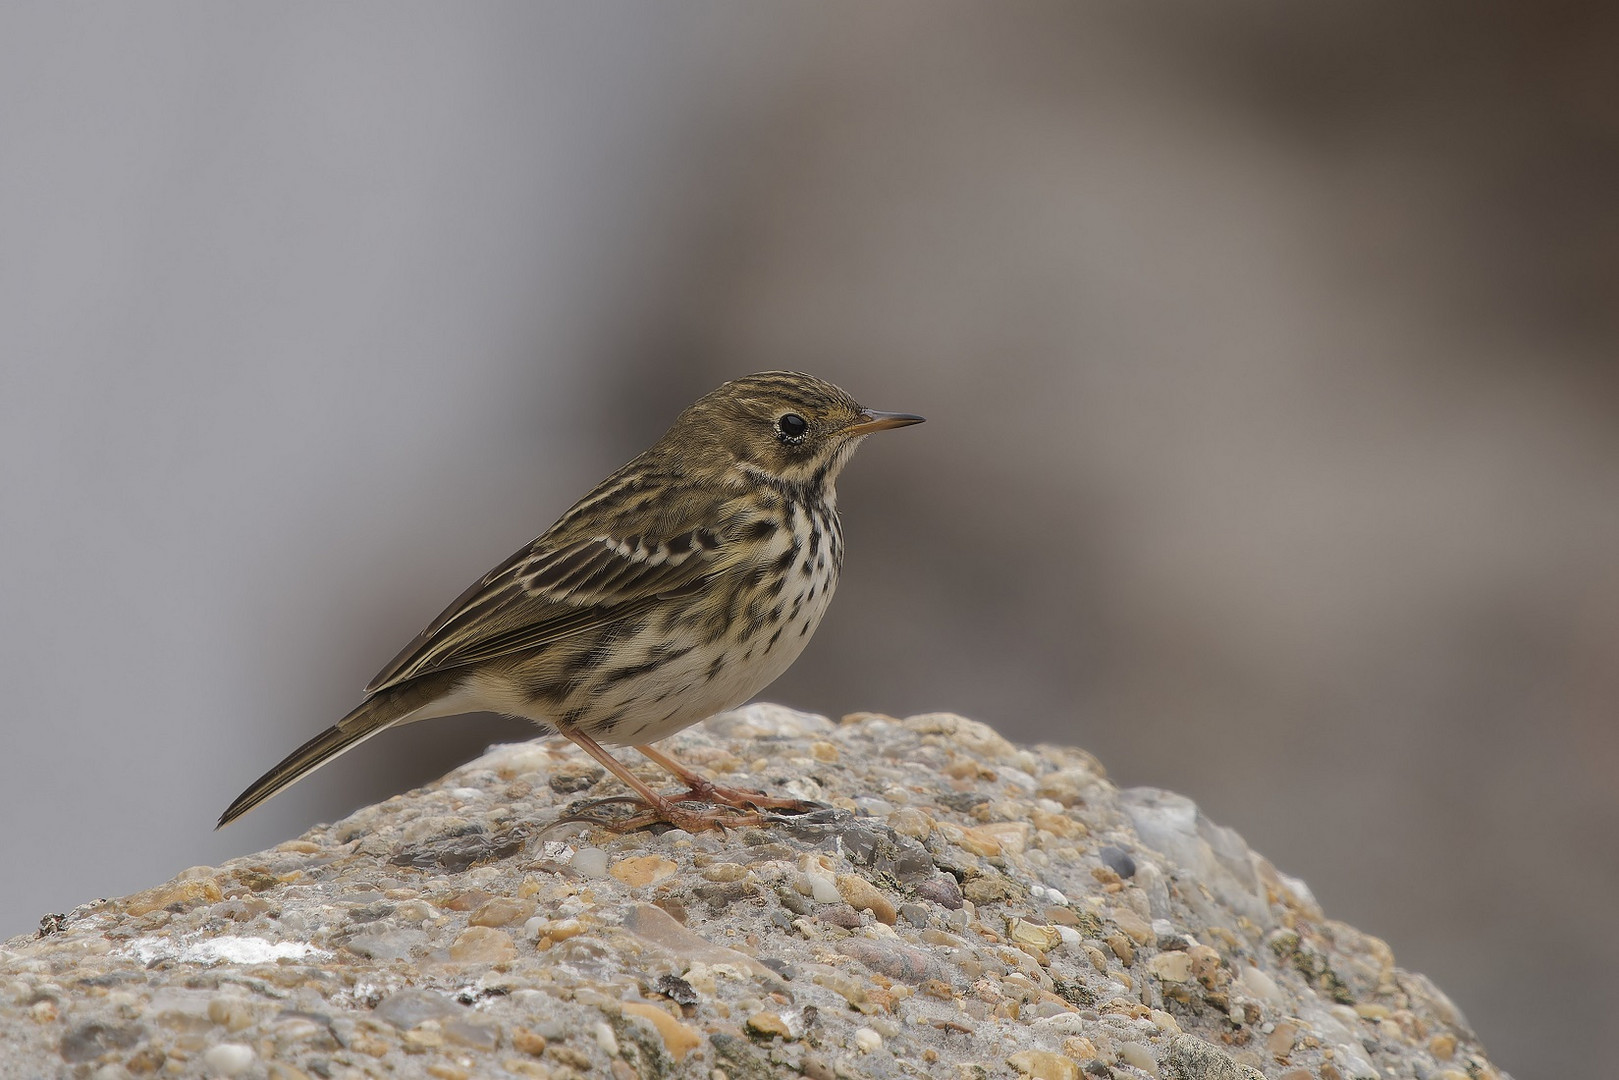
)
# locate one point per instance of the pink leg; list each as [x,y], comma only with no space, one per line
[659,807]
[704,790]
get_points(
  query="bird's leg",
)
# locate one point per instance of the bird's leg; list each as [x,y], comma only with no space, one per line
[704,790]
[659,807]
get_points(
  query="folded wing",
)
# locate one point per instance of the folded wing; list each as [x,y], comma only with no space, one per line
[550,590]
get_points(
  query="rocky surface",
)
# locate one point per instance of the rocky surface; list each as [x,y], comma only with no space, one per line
[970,909]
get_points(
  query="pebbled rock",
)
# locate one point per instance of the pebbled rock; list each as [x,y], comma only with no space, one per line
[962,906]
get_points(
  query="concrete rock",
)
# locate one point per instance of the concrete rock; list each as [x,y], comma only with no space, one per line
[968,904]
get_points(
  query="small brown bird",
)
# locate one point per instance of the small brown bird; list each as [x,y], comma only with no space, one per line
[681,586]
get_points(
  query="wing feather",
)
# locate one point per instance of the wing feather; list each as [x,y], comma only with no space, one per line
[561,585]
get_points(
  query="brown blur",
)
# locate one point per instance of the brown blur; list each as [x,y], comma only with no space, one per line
[1268,353]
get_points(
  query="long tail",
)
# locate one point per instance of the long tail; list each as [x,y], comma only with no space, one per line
[379,711]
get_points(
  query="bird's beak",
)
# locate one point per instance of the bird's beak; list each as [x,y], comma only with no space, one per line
[872,420]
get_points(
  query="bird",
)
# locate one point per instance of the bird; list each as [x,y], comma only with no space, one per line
[679,587]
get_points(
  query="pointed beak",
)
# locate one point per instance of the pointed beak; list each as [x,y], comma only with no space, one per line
[872,420]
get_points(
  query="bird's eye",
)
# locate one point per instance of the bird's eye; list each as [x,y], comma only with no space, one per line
[791,428]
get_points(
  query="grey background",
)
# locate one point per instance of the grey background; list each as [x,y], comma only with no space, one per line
[1268,352]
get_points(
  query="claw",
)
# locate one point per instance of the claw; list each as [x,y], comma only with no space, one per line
[743,799]
[669,812]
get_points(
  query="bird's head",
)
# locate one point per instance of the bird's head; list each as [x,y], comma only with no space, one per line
[780,425]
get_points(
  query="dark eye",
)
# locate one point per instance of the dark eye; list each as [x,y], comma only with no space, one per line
[790,428]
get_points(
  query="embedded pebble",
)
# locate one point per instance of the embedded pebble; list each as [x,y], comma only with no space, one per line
[824,889]
[679,1039]
[1254,983]
[962,902]
[502,911]
[1118,860]
[1138,1056]
[1044,1065]
[641,870]
[1171,966]
[909,821]
[591,862]
[862,895]
[483,945]
[768,1025]
[228,1059]
[943,891]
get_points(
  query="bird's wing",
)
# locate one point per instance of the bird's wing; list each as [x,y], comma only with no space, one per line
[582,573]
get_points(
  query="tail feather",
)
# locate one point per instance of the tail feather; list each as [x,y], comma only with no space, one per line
[378,712]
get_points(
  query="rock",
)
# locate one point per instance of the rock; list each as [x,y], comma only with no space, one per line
[655,926]
[483,945]
[502,911]
[228,1059]
[180,893]
[88,1041]
[893,961]
[1171,966]
[1034,935]
[644,870]
[1134,926]
[408,1008]
[1191,1058]
[768,1025]
[943,891]
[591,862]
[1044,1065]
[1137,1056]
[678,1038]
[862,895]
[1118,860]
[969,905]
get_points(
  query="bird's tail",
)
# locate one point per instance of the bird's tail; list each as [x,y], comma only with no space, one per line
[381,710]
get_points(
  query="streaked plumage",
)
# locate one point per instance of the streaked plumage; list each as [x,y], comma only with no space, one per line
[682,585]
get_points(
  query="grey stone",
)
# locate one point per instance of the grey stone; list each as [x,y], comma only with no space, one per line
[1191,1058]
[408,1008]
[354,947]
[86,1042]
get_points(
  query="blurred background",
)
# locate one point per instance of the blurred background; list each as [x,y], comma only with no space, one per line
[1268,352]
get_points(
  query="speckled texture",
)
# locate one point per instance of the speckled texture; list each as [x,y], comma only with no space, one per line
[970,909]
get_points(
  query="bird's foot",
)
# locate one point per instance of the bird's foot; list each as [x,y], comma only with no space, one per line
[743,799]
[647,815]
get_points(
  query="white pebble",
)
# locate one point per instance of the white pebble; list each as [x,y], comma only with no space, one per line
[591,862]
[1017,778]
[866,1040]
[1056,897]
[605,1038]
[1164,1022]
[1254,983]
[228,1059]
[824,889]
[531,929]
[1137,1055]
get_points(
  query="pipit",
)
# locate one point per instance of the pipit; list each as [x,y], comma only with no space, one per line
[681,586]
